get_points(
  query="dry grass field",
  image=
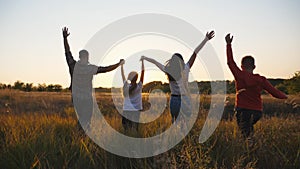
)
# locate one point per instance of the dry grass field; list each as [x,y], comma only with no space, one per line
[38,130]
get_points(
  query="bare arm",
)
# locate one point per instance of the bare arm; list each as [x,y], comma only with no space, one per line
[122,73]
[156,63]
[65,35]
[208,36]
[142,71]
[109,68]
[70,60]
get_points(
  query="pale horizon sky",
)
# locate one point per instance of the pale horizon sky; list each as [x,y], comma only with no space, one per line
[31,46]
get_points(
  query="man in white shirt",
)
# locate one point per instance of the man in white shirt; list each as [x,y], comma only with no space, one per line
[82,73]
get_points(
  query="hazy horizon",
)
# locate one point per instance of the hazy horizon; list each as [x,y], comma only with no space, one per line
[95,86]
[31,45]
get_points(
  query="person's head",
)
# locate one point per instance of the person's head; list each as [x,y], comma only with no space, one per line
[248,63]
[84,55]
[174,67]
[132,76]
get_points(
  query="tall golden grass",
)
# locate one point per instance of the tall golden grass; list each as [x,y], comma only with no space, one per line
[39,130]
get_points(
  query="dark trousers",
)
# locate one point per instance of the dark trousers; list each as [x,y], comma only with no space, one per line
[246,119]
[129,124]
[180,103]
[175,105]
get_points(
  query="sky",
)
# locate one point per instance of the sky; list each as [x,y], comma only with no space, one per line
[31,46]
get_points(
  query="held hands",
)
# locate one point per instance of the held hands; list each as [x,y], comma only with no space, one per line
[210,35]
[122,62]
[228,39]
[143,58]
[65,32]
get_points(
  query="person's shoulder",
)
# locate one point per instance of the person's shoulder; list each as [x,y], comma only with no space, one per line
[259,76]
[91,65]
[125,83]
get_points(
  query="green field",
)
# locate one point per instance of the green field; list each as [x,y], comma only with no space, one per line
[38,130]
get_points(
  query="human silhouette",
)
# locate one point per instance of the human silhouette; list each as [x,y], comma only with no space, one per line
[178,72]
[82,73]
[248,102]
[132,92]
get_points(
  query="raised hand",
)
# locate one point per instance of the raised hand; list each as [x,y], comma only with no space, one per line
[142,58]
[210,35]
[65,32]
[228,39]
[122,62]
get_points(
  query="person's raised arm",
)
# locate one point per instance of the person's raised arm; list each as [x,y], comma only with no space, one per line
[110,68]
[230,61]
[208,36]
[156,63]
[70,60]
[122,72]
[65,36]
[142,71]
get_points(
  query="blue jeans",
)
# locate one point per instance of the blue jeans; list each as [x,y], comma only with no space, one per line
[175,105]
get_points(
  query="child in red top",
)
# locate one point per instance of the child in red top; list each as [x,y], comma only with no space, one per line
[249,86]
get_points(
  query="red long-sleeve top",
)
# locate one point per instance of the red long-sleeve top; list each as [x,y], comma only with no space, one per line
[249,86]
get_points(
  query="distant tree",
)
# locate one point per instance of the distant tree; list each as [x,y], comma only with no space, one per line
[57,88]
[290,86]
[50,88]
[276,82]
[152,85]
[18,85]
[41,87]
[34,88]
[282,87]
[293,84]
[65,89]
[106,90]
[230,86]
[204,87]
[2,86]
[28,87]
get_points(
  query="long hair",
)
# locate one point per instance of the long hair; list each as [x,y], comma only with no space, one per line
[174,67]
[132,77]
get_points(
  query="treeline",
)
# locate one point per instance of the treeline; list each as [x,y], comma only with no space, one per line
[292,85]
[28,87]
[289,86]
